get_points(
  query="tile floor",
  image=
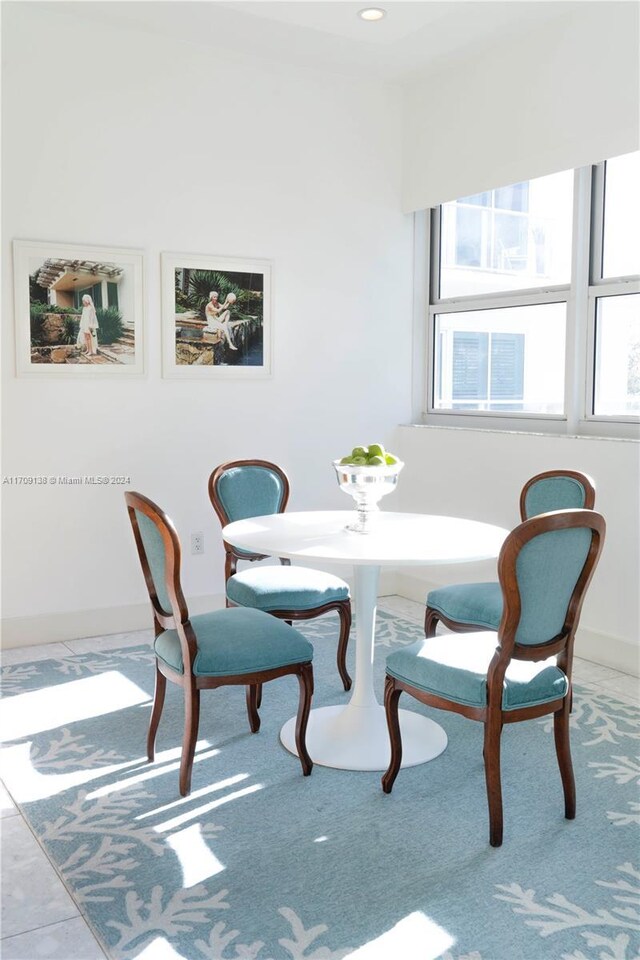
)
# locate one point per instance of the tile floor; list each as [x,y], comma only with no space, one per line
[39,918]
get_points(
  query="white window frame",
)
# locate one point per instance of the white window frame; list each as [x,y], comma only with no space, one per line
[580,294]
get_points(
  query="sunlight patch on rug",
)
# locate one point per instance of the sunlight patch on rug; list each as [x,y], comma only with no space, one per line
[197,860]
[206,808]
[51,707]
[195,795]
[415,937]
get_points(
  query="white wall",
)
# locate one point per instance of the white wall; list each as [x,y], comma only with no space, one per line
[123,139]
[563,96]
[479,474]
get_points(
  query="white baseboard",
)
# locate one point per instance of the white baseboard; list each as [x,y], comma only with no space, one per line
[76,624]
[607,651]
[614,652]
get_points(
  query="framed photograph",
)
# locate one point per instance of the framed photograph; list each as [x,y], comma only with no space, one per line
[79,310]
[216,317]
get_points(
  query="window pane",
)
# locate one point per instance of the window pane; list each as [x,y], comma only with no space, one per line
[479,199]
[469,229]
[515,197]
[510,359]
[617,387]
[621,247]
[508,239]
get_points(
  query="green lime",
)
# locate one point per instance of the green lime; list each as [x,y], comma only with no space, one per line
[346,460]
[376,461]
[359,452]
[376,450]
[390,459]
[358,461]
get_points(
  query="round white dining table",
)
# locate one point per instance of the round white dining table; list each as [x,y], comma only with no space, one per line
[354,736]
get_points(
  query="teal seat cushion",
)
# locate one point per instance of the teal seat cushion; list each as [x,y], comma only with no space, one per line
[475,603]
[285,588]
[236,641]
[455,667]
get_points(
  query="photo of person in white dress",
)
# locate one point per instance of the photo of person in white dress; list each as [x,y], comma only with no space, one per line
[219,316]
[87,334]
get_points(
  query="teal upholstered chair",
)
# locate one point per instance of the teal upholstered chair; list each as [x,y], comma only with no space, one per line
[544,569]
[246,647]
[468,607]
[252,488]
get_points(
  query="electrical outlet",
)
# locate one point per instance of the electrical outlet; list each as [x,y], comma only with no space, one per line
[197,543]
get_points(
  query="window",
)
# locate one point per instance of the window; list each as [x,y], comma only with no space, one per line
[489,359]
[112,294]
[621,247]
[617,355]
[614,296]
[95,292]
[506,239]
[527,320]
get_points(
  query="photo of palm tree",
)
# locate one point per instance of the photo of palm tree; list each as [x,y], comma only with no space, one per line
[216,316]
[219,317]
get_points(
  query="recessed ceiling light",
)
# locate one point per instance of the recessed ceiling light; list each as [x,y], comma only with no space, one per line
[372,13]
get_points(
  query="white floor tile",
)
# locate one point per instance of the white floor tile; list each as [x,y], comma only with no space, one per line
[625,686]
[110,642]
[7,806]
[43,651]
[32,893]
[69,940]
[409,609]
[594,672]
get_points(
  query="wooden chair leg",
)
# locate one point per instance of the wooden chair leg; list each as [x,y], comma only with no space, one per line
[491,754]
[344,613]
[431,621]
[391,698]
[305,680]
[258,695]
[191,722]
[252,706]
[563,753]
[156,713]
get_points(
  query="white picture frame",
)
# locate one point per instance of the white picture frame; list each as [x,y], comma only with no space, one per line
[229,336]
[53,283]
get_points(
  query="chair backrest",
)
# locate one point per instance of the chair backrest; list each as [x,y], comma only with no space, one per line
[241,489]
[159,552]
[556,490]
[248,488]
[545,567]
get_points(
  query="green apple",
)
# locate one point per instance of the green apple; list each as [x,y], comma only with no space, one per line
[376,450]
[390,459]
[345,460]
[358,461]
[359,452]
[376,461]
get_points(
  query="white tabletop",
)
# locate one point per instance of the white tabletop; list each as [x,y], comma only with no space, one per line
[396,538]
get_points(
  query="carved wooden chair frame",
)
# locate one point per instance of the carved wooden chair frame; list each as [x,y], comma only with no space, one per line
[492,715]
[178,619]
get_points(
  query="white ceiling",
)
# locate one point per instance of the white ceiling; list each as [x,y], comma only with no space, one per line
[415,38]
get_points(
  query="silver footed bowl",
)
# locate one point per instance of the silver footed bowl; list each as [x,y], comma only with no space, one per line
[367,485]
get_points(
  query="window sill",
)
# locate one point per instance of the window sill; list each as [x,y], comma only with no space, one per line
[523,432]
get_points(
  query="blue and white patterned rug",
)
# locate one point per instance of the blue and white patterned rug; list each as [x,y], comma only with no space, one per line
[261,864]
